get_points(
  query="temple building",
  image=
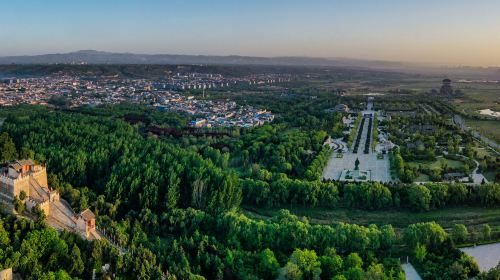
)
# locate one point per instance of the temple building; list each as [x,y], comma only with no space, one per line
[446,88]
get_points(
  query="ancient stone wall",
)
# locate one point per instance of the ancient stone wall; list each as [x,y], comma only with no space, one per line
[41,177]
[6,274]
[44,206]
[14,186]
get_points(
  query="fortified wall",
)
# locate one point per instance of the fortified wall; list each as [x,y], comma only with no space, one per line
[26,176]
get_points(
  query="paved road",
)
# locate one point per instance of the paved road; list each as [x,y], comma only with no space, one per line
[410,272]
[369,105]
[476,176]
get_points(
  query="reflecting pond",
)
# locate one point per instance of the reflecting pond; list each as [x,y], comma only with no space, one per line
[487,256]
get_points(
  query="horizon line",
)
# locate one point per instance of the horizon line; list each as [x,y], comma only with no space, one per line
[403,62]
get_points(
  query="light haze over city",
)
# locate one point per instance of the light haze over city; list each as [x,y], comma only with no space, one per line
[446,32]
[250,139]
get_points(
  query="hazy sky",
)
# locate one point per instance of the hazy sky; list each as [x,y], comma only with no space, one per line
[454,32]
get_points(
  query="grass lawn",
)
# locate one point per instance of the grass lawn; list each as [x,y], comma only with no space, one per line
[422,178]
[437,163]
[447,217]
[490,175]
[478,96]
[488,128]
[482,152]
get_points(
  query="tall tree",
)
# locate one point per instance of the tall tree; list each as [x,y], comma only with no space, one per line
[75,259]
[268,266]
[7,148]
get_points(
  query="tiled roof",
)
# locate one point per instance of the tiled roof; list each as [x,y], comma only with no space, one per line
[18,164]
[87,215]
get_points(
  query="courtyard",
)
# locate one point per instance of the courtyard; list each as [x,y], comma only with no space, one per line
[377,165]
[379,168]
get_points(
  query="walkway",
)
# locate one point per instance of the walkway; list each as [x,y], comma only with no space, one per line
[410,272]
[103,234]
[380,169]
[476,176]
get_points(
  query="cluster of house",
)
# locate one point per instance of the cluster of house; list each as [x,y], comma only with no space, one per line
[79,91]
[92,90]
[214,113]
[27,181]
[202,81]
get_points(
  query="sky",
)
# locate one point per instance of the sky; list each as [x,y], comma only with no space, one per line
[445,32]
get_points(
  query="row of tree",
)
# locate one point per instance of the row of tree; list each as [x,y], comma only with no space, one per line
[315,169]
[284,192]
[398,165]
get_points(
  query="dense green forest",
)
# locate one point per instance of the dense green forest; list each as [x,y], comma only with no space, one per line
[39,252]
[175,203]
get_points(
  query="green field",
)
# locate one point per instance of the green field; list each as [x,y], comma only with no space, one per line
[470,216]
[422,178]
[490,175]
[478,96]
[482,152]
[488,128]
[437,163]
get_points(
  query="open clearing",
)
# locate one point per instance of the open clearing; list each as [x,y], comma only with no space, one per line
[437,164]
[478,96]
[447,217]
[488,128]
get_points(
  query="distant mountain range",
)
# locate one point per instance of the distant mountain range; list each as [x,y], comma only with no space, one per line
[100,57]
